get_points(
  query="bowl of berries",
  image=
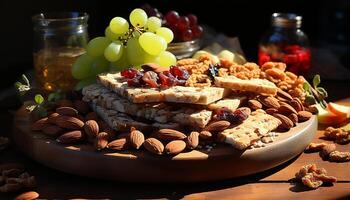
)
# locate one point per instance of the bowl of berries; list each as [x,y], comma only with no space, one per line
[187,32]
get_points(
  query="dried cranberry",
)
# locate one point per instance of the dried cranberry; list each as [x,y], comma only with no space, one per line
[167,79]
[179,72]
[237,116]
[129,73]
[150,78]
[135,82]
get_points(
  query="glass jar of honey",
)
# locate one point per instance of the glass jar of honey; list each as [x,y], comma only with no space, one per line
[59,39]
[286,42]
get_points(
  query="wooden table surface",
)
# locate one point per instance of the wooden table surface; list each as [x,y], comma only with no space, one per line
[272,184]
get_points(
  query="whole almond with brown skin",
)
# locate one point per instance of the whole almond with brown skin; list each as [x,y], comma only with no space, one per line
[296,104]
[154,67]
[284,95]
[192,140]
[101,140]
[254,104]
[70,137]
[326,150]
[270,102]
[313,109]
[304,115]
[270,111]
[170,134]
[175,147]
[286,109]
[136,139]
[154,146]
[294,118]
[70,123]
[31,195]
[67,111]
[81,106]
[39,124]
[91,128]
[119,144]
[52,118]
[286,122]
[91,116]
[205,135]
[217,126]
[53,130]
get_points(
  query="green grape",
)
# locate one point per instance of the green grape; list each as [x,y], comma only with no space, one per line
[153,23]
[96,46]
[85,82]
[166,59]
[134,52]
[114,51]
[152,43]
[138,17]
[151,59]
[99,65]
[110,35]
[119,25]
[120,64]
[166,33]
[82,67]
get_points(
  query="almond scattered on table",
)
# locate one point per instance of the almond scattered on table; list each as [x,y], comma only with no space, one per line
[136,138]
[192,140]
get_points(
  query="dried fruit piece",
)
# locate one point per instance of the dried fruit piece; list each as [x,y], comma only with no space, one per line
[314,147]
[170,134]
[154,146]
[286,122]
[179,72]
[67,111]
[101,140]
[326,150]
[136,138]
[130,73]
[192,140]
[268,101]
[31,195]
[338,156]
[70,137]
[81,106]
[91,128]
[304,115]
[205,135]
[68,122]
[237,116]
[119,144]
[254,104]
[39,124]
[217,126]
[175,147]
[52,130]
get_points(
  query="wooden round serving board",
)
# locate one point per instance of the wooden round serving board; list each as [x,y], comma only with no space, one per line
[222,162]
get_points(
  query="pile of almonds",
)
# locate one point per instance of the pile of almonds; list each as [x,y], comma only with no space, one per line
[13,178]
[283,106]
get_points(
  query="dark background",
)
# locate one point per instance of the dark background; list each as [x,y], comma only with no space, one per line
[327,23]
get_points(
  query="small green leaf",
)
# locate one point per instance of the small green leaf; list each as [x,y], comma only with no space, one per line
[316,81]
[310,100]
[321,91]
[306,87]
[18,85]
[39,99]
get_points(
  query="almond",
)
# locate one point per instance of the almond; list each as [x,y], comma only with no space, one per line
[304,115]
[269,101]
[67,111]
[101,140]
[192,140]
[217,126]
[205,135]
[326,150]
[52,118]
[296,104]
[39,124]
[286,122]
[284,95]
[313,109]
[31,195]
[154,146]
[286,109]
[136,139]
[81,106]
[70,137]
[91,116]
[170,134]
[245,110]
[68,122]
[175,147]
[254,104]
[294,118]
[119,144]
[154,67]
[91,128]
[270,111]
[53,130]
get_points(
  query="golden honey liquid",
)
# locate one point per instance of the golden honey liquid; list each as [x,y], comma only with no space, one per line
[53,68]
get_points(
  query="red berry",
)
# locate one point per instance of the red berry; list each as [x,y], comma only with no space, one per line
[193,20]
[186,35]
[197,31]
[129,73]
[263,57]
[183,23]
[172,17]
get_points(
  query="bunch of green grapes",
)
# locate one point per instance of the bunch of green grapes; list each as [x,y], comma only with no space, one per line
[125,46]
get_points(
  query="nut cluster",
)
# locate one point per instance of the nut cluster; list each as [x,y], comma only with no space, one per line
[13,178]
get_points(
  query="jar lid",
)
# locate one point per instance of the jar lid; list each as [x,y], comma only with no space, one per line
[286,20]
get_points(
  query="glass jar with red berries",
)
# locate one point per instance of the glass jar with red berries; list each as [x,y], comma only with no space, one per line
[286,42]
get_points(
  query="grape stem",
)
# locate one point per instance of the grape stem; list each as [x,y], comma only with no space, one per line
[130,34]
